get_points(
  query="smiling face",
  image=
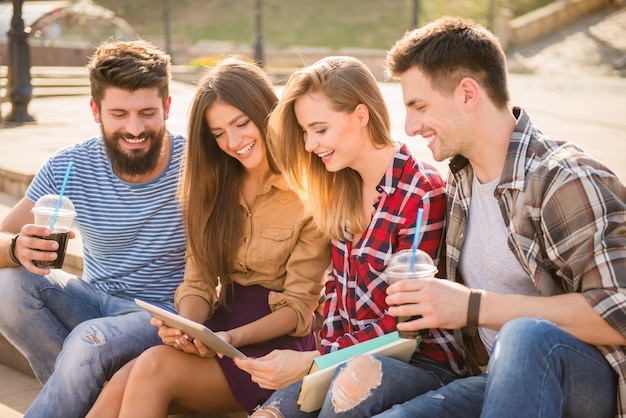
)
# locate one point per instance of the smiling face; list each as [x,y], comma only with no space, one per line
[237,135]
[133,128]
[335,137]
[436,117]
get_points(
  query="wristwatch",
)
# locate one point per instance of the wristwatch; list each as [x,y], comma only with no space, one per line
[12,250]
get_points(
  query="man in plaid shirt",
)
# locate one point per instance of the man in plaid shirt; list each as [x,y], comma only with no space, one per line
[536,241]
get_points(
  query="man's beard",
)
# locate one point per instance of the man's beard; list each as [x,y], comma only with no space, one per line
[138,162]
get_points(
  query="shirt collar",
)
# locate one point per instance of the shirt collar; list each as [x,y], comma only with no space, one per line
[513,174]
[276,180]
[389,182]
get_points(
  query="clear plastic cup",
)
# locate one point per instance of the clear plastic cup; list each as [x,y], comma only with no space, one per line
[399,268]
[45,211]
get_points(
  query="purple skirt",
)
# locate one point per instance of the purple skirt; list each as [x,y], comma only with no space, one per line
[246,304]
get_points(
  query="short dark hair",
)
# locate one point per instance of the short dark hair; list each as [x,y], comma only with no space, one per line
[450,49]
[129,65]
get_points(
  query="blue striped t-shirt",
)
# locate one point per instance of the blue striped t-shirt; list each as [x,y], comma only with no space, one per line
[133,237]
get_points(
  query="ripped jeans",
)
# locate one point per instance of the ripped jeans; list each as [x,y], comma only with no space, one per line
[363,387]
[74,337]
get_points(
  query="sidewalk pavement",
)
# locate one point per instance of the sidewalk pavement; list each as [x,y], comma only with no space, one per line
[17,391]
[585,110]
[62,121]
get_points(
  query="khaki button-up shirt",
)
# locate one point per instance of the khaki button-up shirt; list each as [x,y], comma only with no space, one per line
[282,250]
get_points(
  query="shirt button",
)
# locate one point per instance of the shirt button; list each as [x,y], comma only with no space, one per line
[240,264]
[245,239]
[379,189]
[461,235]
[276,233]
[249,214]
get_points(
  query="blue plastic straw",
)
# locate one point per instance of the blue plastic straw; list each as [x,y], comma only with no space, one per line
[56,210]
[416,237]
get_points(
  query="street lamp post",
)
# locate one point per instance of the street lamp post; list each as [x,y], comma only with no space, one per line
[416,13]
[258,36]
[490,13]
[166,28]
[19,88]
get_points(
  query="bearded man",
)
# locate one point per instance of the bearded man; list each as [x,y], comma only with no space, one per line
[77,332]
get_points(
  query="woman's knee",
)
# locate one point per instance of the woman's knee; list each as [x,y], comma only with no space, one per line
[152,363]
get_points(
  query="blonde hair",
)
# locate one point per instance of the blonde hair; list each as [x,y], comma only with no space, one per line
[333,199]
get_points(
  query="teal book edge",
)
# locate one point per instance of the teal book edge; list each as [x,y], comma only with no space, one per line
[345,354]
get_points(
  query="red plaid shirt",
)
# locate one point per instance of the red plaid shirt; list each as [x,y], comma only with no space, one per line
[355,308]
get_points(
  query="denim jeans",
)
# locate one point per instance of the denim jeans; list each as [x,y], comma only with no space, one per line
[536,370]
[390,388]
[74,337]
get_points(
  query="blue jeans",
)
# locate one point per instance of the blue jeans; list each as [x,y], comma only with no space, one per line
[536,370]
[388,387]
[74,337]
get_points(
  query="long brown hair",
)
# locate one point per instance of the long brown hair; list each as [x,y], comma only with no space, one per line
[334,199]
[212,180]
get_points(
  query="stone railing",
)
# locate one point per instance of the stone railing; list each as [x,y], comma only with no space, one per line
[542,21]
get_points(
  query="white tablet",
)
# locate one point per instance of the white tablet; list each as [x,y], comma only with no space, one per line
[193,329]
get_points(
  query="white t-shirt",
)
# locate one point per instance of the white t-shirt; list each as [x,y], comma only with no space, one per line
[486,261]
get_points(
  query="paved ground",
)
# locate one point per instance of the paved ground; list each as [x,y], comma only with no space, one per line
[587,110]
[567,82]
[591,46]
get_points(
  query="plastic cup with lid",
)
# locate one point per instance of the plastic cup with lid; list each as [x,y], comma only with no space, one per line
[58,216]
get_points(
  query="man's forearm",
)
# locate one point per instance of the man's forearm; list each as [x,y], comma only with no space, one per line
[6,239]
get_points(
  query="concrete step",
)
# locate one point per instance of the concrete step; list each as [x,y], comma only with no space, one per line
[52,81]
[14,183]
[17,391]
[58,81]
